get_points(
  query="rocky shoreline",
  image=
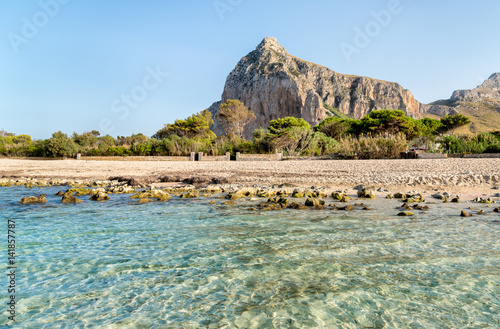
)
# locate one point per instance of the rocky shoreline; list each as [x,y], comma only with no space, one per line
[262,198]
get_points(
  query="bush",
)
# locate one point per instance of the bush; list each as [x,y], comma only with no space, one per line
[469,144]
[495,148]
[372,147]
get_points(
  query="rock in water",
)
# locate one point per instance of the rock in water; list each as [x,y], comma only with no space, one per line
[298,206]
[99,196]
[406,214]
[274,84]
[310,202]
[34,200]
[366,193]
[69,197]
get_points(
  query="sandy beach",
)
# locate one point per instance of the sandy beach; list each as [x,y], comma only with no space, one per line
[469,176]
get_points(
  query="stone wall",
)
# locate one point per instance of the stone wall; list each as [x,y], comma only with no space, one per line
[481,156]
[259,157]
[226,157]
[432,156]
[137,158]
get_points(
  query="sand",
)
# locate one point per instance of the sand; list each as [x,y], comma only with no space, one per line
[465,176]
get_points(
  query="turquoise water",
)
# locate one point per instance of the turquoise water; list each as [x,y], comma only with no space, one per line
[189,264]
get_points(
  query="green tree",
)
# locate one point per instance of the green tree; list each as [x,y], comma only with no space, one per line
[196,126]
[385,121]
[283,125]
[452,122]
[430,126]
[60,145]
[86,141]
[293,135]
[334,127]
[234,116]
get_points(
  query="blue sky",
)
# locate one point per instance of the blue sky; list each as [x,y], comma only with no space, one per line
[123,66]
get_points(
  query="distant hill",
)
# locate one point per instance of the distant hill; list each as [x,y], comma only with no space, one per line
[481,105]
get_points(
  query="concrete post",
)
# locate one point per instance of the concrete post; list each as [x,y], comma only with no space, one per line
[228,156]
[200,156]
[78,156]
[238,156]
[192,156]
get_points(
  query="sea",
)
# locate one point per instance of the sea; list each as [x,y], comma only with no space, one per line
[192,264]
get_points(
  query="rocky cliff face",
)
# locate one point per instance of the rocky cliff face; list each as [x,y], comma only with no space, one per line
[274,84]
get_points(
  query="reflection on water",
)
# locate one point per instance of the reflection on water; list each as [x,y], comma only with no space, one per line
[188,264]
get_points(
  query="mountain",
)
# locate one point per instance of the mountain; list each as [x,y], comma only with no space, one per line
[274,84]
[481,105]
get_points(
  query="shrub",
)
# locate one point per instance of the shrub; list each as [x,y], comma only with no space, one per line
[372,147]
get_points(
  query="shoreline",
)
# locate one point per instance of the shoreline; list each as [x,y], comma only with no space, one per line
[467,177]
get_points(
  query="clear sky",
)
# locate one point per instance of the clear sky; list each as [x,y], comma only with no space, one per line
[123,66]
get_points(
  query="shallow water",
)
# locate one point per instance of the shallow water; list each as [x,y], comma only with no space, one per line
[189,264]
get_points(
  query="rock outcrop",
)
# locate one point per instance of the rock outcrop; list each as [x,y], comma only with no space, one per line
[488,92]
[274,84]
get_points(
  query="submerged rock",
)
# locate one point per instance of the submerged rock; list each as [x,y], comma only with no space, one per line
[399,196]
[145,200]
[310,202]
[276,203]
[34,200]
[191,195]
[298,206]
[366,193]
[278,200]
[230,202]
[124,189]
[69,197]
[340,196]
[152,194]
[419,207]
[485,201]
[414,198]
[465,214]
[441,196]
[99,196]
[406,214]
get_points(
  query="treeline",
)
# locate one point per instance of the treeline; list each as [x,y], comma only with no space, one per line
[380,134]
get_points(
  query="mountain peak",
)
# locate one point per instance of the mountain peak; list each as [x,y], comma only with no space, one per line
[270,43]
[493,81]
